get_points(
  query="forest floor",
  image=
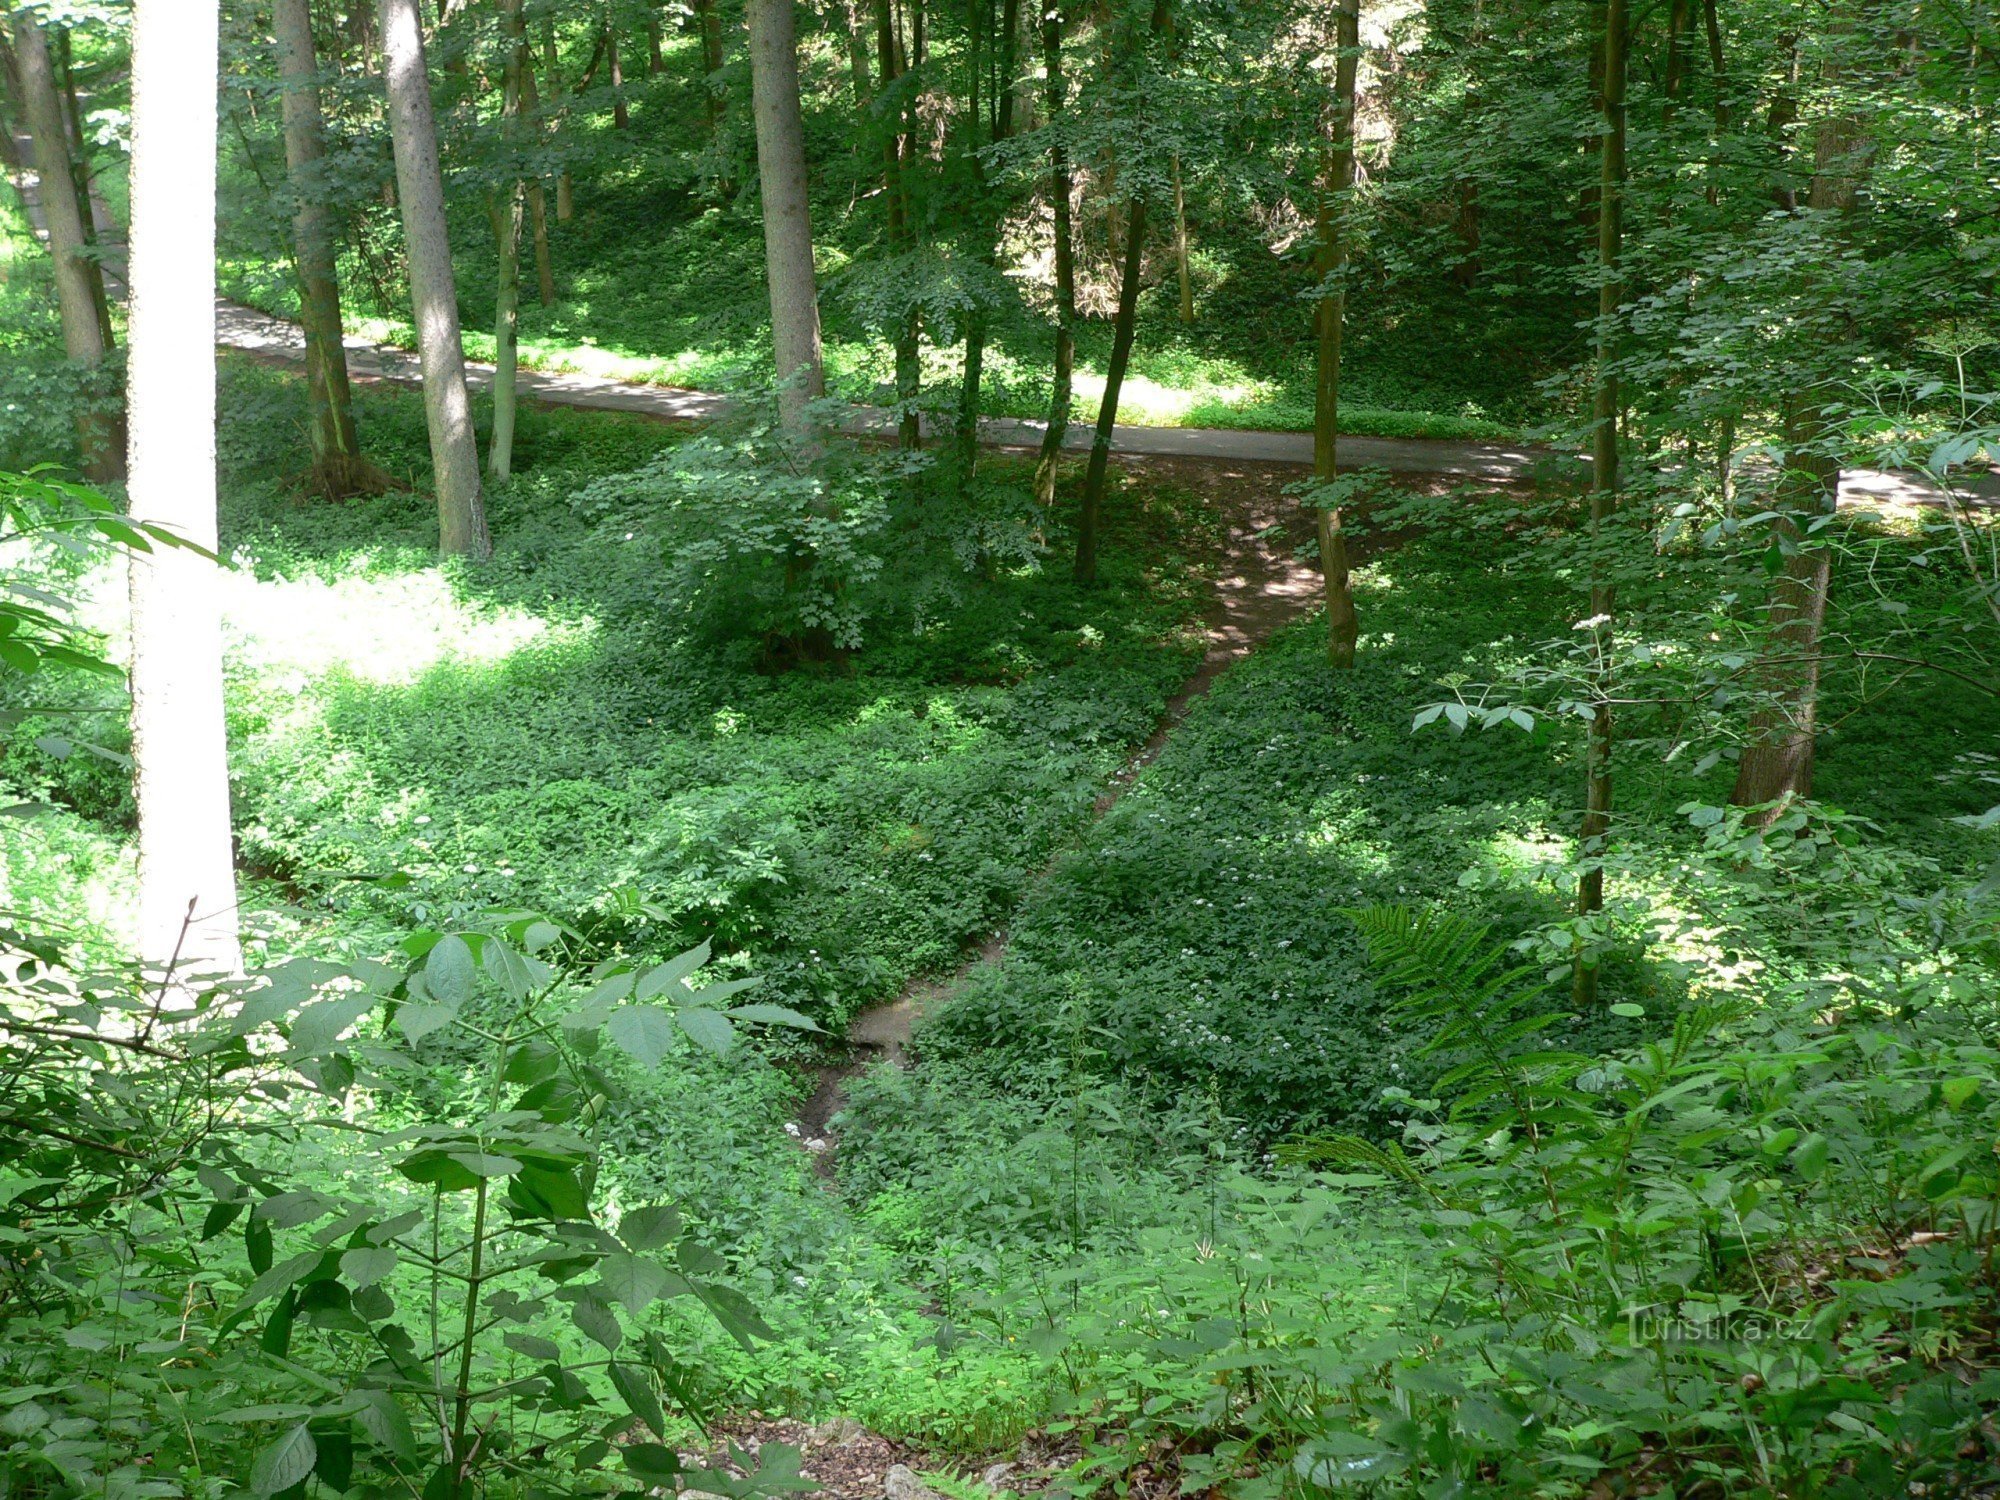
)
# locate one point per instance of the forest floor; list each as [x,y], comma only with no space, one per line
[1261,585]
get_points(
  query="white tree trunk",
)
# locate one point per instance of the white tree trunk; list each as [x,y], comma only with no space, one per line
[433,293]
[781,172]
[187,877]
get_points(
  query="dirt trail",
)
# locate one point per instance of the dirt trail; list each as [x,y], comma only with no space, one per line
[1260,587]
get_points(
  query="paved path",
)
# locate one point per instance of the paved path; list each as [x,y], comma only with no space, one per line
[244,328]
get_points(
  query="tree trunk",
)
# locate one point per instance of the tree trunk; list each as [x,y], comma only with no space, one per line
[100,433]
[1343,629]
[505,212]
[895,180]
[1603,481]
[337,467]
[187,877]
[1122,329]
[788,246]
[1678,17]
[1055,92]
[537,197]
[621,115]
[1777,763]
[552,71]
[77,153]
[656,62]
[433,292]
[1181,244]
[1124,326]
[711,64]
[857,58]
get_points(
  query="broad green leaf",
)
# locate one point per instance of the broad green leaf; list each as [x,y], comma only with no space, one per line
[418,1020]
[285,1463]
[385,1423]
[672,972]
[448,971]
[637,1391]
[597,1322]
[316,1028]
[532,1345]
[644,1032]
[772,1015]
[633,1280]
[649,1228]
[709,1029]
[365,1266]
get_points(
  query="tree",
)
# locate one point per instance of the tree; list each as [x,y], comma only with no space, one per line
[781,173]
[989,211]
[898,172]
[1342,628]
[1603,473]
[505,209]
[1124,325]
[433,293]
[1061,186]
[100,433]
[337,465]
[187,880]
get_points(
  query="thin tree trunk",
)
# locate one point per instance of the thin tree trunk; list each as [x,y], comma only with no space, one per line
[1678,19]
[1343,629]
[895,178]
[100,433]
[1181,244]
[788,247]
[1603,481]
[621,115]
[857,58]
[1060,392]
[433,293]
[1713,26]
[1777,763]
[1123,327]
[505,211]
[552,71]
[78,154]
[656,62]
[337,467]
[187,877]
[711,64]
[537,196]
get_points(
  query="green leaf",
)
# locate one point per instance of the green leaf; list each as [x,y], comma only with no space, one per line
[516,973]
[637,1391]
[257,1245]
[277,1336]
[334,1465]
[316,1028]
[597,1322]
[449,972]
[364,1266]
[773,1015]
[650,1463]
[734,1312]
[285,1463]
[418,1020]
[1956,1092]
[532,1345]
[709,1029]
[643,1032]
[1629,1011]
[1809,1157]
[633,1280]
[384,1423]
[219,1217]
[649,1228]
[672,972]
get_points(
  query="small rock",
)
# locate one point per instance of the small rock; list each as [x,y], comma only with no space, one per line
[996,1476]
[900,1483]
[818,1144]
[836,1433]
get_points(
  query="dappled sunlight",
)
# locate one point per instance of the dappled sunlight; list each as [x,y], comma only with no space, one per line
[381,628]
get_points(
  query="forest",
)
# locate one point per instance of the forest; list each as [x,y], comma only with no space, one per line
[975,750]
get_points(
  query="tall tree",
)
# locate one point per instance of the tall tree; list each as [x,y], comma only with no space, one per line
[1124,326]
[187,880]
[337,466]
[898,170]
[1342,627]
[788,245]
[989,208]
[1061,187]
[1777,761]
[100,432]
[433,291]
[505,209]
[1604,480]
